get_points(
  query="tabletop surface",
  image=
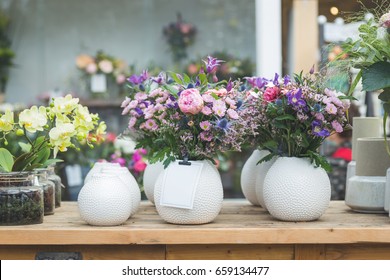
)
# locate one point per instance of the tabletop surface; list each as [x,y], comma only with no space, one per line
[238,223]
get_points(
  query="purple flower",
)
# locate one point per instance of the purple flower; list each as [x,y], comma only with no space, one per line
[139,111]
[159,79]
[137,80]
[295,99]
[276,79]
[286,80]
[229,85]
[256,81]
[318,130]
[212,64]
[311,70]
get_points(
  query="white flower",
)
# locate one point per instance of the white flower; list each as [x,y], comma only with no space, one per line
[65,104]
[91,68]
[60,136]
[33,119]
[7,121]
[106,66]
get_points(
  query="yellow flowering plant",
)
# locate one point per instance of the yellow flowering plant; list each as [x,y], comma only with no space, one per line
[33,138]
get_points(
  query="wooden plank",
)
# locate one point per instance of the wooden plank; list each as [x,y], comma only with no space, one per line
[230,252]
[309,252]
[238,223]
[97,252]
[358,252]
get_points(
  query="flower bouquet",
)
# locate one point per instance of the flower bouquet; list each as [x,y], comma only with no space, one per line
[102,70]
[295,118]
[32,140]
[176,118]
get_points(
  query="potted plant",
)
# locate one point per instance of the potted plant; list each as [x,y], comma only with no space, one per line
[32,140]
[296,116]
[184,123]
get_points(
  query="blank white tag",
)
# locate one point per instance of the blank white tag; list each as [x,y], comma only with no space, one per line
[179,184]
[74,175]
[98,83]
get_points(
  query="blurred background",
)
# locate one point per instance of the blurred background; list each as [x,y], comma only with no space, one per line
[46,47]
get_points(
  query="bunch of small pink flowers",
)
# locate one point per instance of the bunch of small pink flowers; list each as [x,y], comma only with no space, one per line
[174,117]
[295,116]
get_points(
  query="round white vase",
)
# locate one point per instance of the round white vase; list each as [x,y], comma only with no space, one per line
[248,176]
[151,173]
[104,201]
[262,171]
[97,168]
[128,179]
[207,201]
[294,190]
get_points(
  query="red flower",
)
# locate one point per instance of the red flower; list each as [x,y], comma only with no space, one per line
[271,94]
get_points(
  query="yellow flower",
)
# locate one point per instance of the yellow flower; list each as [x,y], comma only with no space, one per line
[64,105]
[33,119]
[83,120]
[60,136]
[7,121]
[101,129]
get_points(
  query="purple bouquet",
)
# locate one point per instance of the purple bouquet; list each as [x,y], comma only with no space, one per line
[295,116]
[175,117]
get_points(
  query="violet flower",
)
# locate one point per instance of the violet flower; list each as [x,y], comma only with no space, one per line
[256,81]
[276,79]
[318,130]
[295,99]
[229,85]
[212,64]
[286,80]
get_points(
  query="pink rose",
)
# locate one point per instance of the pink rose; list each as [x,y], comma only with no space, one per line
[139,166]
[190,101]
[271,94]
[120,79]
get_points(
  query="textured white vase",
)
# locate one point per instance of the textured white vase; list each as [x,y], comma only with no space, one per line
[128,179]
[151,173]
[207,202]
[294,190]
[104,200]
[262,171]
[248,176]
[97,168]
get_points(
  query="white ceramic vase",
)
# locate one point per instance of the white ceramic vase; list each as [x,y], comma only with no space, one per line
[260,177]
[151,173]
[128,179]
[207,201]
[294,190]
[97,168]
[248,176]
[104,200]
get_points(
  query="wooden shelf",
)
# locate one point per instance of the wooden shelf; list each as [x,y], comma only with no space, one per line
[240,227]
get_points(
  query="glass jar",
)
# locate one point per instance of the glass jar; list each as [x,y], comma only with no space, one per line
[21,203]
[41,179]
[52,176]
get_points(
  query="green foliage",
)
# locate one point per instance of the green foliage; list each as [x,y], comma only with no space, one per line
[376,76]
[6,160]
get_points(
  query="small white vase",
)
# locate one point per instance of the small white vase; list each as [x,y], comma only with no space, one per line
[248,176]
[294,190]
[151,173]
[97,168]
[260,177]
[128,179]
[207,202]
[104,201]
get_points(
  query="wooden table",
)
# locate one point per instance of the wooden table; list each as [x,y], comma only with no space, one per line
[241,231]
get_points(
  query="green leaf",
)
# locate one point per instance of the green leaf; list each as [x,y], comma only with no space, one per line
[187,79]
[23,161]
[203,78]
[266,158]
[171,89]
[354,83]
[51,161]
[285,117]
[376,76]
[176,78]
[386,107]
[6,160]
[42,156]
[385,95]
[25,147]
